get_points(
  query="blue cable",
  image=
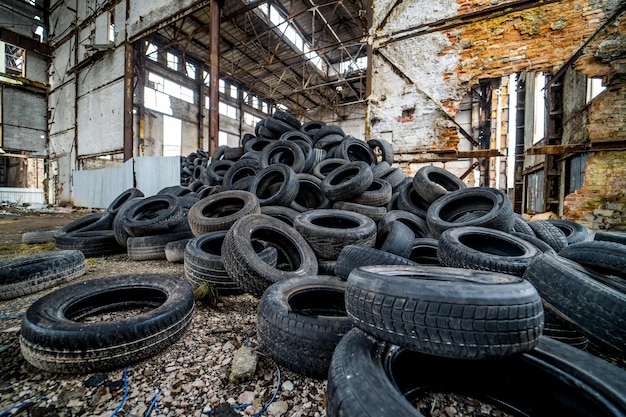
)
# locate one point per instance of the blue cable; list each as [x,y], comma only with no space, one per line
[7,412]
[16,306]
[119,407]
[153,404]
[273,397]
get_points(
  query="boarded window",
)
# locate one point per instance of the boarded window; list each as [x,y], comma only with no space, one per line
[534,192]
[576,172]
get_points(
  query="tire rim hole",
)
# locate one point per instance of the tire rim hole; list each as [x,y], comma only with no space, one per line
[319,302]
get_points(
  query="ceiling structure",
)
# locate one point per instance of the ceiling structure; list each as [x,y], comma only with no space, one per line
[309,56]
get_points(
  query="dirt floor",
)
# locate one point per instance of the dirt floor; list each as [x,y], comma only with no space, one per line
[14,222]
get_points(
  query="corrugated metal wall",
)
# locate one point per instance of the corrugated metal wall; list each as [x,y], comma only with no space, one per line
[154,173]
[22,195]
[97,188]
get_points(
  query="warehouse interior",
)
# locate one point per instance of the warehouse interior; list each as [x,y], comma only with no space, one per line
[525,96]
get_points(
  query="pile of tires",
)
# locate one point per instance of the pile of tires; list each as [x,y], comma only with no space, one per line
[138,225]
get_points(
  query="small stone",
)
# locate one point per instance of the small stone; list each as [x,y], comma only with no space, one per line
[227,346]
[95,380]
[243,365]
[288,386]
[246,397]
[75,403]
[198,383]
[450,411]
[277,408]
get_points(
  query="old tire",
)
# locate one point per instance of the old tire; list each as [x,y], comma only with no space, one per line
[243,265]
[34,273]
[368,378]
[153,215]
[549,233]
[54,338]
[219,211]
[444,212]
[432,182]
[327,231]
[599,311]
[301,320]
[451,312]
[353,256]
[486,250]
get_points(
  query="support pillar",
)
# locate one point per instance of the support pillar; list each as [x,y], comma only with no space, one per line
[214,73]
[129,74]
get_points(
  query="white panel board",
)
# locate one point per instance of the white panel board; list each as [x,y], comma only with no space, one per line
[97,188]
[61,108]
[101,120]
[145,14]
[24,124]
[62,17]
[62,61]
[156,173]
[102,72]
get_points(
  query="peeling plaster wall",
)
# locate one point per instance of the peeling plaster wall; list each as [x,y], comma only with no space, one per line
[431,71]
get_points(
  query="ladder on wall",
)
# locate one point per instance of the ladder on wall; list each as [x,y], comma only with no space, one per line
[554,136]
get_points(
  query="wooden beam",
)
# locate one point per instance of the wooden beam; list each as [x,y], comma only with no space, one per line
[577,148]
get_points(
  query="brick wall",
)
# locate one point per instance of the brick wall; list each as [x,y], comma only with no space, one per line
[601,202]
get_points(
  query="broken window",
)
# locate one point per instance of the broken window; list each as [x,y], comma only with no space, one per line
[222,138]
[190,70]
[594,88]
[14,58]
[234,91]
[152,52]
[222,86]
[576,172]
[250,119]
[207,78]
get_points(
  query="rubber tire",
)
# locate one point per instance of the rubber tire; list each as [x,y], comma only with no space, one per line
[33,273]
[486,250]
[378,194]
[312,127]
[38,237]
[354,149]
[521,225]
[274,174]
[175,251]
[432,182]
[219,211]
[441,214]
[353,256]
[203,261]
[602,258]
[416,223]
[619,237]
[244,168]
[574,232]
[540,244]
[300,321]
[347,181]
[52,338]
[374,213]
[597,310]
[424,251]
[397,238]
[287,118]
[153,215]
[327,231]
[246,268]
[449,312]
[385,148]
[283,152]
[119,201]
[325,167]
[95,221]
[549,233]
[148,248]
[310,195]
[121,235]
[285,214]
[93,243]
[409,200]
[368,378]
